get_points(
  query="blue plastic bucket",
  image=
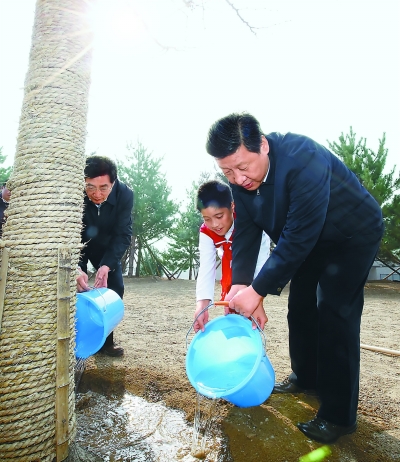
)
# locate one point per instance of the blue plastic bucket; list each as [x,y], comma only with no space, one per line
[228,360]
[98,312]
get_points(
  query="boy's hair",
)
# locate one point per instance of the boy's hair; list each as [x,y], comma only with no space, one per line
[99,166]
[226,135]
[214,193]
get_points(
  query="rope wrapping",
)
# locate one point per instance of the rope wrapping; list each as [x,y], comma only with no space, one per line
[44,215]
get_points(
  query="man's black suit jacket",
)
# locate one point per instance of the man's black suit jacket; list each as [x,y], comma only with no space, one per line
[107,230]
[308,197]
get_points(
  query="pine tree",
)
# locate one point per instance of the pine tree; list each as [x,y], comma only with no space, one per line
[369,167]
[183,253]
[153,211]
[5,172]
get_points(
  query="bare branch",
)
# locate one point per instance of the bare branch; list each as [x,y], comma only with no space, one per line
[252,29]
[189,3]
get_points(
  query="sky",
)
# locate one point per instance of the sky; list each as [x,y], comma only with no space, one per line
[164,70]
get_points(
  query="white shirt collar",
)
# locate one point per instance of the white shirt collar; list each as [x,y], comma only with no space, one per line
[229,233]
[266,176]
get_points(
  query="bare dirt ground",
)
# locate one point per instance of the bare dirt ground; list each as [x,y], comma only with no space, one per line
[158,314]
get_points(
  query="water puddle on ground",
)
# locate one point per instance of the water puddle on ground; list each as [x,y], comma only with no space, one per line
[128,428]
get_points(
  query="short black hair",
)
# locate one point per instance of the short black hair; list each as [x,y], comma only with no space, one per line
[99,166]
[214,193]
[226,135]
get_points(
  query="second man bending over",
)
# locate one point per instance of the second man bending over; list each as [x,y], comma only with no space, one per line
[107,231]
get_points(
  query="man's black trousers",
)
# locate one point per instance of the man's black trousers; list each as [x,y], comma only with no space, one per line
[325,306]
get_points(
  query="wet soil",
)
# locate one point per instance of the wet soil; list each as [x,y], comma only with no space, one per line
[158,314]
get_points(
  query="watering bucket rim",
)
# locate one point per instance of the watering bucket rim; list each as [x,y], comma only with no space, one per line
[101,291]
[225,303]
[260,355]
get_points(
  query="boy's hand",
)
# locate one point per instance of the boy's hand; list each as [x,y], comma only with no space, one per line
[203,319]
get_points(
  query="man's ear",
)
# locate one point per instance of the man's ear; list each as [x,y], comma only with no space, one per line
[264,148]
[232,206]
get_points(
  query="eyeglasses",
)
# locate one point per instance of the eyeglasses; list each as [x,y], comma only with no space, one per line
[102,189]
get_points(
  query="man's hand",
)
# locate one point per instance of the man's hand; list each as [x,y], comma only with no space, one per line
[82,282]
[228,297]
[260,316]
[245,302]
[101,277]
[203,319]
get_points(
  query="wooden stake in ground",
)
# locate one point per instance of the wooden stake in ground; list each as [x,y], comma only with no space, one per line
[45,214]
[63,382]
[380,349]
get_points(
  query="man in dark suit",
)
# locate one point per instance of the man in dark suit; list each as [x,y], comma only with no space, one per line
[107,231]
[327,229]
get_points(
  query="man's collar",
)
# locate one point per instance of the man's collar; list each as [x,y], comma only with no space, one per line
[266,176]
[270,176]
[112,197]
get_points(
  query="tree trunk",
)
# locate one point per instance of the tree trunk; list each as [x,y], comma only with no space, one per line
[124,259]
[131,256]
[45,216]
[139,258]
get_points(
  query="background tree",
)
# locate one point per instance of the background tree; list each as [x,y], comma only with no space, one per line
[369,167]
[183,252]
[390,248]
[153,210]
[5,172]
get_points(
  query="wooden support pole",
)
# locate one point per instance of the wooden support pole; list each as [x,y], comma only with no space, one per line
[3,281]
[167,273]
[391,267]
[390,274]
[63,339]
[380,349]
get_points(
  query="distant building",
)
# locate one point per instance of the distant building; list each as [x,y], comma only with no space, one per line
[379,271]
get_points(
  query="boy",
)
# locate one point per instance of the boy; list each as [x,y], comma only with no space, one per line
[215,203]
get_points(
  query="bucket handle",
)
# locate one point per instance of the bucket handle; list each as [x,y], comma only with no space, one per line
[226,303]
[102,296]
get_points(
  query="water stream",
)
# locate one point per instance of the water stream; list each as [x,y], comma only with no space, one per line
[203,419]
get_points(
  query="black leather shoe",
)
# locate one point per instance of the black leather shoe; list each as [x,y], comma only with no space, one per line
[324,432]
[289,386]
[112,350]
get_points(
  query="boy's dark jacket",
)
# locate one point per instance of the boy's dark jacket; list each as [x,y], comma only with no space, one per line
[309,197]
[107,230]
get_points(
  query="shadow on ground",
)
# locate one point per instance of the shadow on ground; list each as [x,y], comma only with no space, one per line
[269,432]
